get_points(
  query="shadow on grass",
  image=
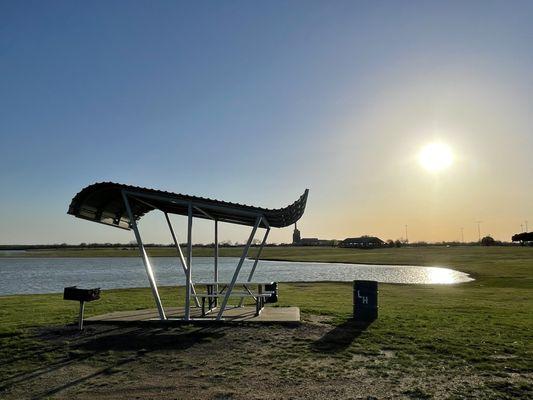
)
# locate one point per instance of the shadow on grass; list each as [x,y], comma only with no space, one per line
[105,371]
[152,339]
[340,337]
[38,353]
[77,348]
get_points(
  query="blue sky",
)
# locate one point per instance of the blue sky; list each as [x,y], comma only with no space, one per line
[255,101]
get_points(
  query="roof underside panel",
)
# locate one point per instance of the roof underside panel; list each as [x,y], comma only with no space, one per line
[103,202]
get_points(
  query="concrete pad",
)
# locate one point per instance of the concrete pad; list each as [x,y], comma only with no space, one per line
[175,316]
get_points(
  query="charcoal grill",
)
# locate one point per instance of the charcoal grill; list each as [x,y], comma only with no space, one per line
[81,295]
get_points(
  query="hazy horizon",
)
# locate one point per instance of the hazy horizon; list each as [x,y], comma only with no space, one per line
[254,102]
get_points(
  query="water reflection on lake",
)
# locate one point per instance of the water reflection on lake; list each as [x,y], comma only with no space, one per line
[51,275]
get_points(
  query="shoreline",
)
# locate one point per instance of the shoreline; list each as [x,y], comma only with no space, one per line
[310,283]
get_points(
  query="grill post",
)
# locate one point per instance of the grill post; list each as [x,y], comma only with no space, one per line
[80,321]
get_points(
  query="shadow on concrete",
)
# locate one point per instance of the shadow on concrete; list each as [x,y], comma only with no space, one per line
[341,336]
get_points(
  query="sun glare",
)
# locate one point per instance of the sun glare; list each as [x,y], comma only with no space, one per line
[440,275]
[435,157]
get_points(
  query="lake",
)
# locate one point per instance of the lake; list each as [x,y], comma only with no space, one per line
[51,275]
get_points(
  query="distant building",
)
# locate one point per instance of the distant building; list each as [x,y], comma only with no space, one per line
[297,240]
[316,242]
[363,242]
[309,242]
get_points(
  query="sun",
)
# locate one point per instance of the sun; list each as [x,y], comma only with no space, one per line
[435,157]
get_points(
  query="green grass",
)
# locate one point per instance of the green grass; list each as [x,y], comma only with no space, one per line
[484,326]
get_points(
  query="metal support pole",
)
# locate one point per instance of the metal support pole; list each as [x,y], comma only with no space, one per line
[145,259]
[238,269]
[216,252]
[189,266]
[180,254]
[252,272]
[216,262]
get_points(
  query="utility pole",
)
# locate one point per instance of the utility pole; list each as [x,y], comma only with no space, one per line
[521,227]
[479,229]
[406,237]
[462,235]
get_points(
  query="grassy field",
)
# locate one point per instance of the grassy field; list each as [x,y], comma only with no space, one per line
[472,340]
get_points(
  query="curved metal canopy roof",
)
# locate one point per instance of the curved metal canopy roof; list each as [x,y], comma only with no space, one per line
[104,203]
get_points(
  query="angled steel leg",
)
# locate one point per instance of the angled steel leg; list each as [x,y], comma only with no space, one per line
[145,259]
[180,254]
[238,269]
[252,272]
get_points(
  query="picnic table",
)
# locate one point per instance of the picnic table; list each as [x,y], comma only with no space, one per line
[256,290]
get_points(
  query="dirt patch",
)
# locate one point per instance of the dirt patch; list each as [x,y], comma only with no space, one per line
[309,361]
[318,319]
